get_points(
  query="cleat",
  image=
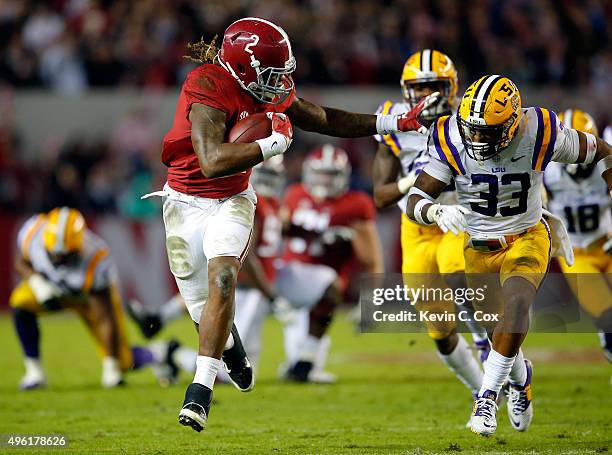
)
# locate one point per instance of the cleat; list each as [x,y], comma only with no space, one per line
[483,421]
[300,371]
[196,407]
[34,377]
[483,347]
[148,323]
[237,365]
[321,377]
[32,384]
[520,408]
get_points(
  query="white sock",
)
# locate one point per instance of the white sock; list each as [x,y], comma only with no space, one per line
[185,359]
[294,334]
[497,368]
[172,309]
[518,373]
[464,365]
[33,364]
[309,348]
[229,344]
[322,353]
[206,371]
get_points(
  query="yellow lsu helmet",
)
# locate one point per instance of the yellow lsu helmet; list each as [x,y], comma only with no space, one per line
[64,231]
[579,120]
[433,70]
[489,115]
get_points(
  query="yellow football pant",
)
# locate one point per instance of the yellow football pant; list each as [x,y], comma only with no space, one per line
[22,297]
[527,256]
[427,250]
[590,282]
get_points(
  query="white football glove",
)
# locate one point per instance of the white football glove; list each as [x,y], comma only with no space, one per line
[282,310]
[448,217]
[111,373]
[42,288]
[405,183]
[279,141]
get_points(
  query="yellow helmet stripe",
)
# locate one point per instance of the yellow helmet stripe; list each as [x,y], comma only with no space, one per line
[443,145]
[91,268]
[389,139]
[27,240]
[545,139]
[482,94]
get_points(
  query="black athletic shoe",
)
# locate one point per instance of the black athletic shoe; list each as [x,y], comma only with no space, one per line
[196,407]
[300,371]
[148,323]
[237,364]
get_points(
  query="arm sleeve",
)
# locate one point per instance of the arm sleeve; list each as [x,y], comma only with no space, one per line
[205,88]
[567,145]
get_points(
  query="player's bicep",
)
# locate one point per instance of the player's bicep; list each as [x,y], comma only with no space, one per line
[429,184]
[207,131]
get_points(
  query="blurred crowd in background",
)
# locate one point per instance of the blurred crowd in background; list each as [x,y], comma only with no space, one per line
[70,46]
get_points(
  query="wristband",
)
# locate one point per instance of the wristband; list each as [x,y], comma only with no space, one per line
[272,145]
[418,210]
[41,288]
[386,124]
[405,183]
[423,194]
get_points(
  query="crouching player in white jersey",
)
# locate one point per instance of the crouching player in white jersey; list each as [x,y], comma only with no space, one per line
[496,152]
[577,194]
[426,249]
[62,264]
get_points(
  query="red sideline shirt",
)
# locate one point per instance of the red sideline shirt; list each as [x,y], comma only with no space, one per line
[317,217]
[212,86]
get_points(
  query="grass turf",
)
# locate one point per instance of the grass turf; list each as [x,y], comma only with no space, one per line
[393,396]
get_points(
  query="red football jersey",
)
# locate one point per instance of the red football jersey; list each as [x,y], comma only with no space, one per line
[212,86]
[313,218]
[270,235]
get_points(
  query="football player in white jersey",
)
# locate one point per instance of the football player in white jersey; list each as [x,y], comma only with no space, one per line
[62,264]
[496,153]
[578,195]
[426,249]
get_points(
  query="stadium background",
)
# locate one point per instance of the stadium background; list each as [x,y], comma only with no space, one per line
[88,88]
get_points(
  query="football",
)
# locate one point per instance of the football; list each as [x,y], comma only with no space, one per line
[251,128]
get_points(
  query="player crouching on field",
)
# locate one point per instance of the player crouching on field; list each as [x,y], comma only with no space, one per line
[496,152]
[329,230]
[62,264]
[427,250]
[577,194]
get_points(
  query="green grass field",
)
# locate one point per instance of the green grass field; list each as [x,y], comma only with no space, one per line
[393,396]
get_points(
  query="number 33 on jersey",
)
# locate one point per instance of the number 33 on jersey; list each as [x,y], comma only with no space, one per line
[503,192]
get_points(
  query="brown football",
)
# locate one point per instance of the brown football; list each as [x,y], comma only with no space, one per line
[251,128]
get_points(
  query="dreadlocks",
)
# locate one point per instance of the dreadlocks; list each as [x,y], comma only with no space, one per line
[202,52]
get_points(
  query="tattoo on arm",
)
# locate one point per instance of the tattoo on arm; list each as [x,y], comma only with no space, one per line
[216,158]
[333,122]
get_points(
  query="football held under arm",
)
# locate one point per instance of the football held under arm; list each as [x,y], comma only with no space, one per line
[216,158]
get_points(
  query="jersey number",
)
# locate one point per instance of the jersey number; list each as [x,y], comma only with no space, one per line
[588,218]
[490,196]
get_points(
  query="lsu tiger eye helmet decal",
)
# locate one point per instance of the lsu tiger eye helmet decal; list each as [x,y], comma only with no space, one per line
[580,121]
[489,116]
[426,72]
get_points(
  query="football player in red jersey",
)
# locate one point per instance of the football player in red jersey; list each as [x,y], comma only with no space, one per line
[329,230]
[209,207]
